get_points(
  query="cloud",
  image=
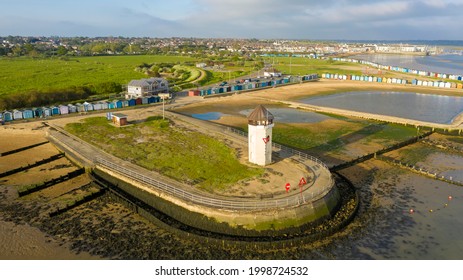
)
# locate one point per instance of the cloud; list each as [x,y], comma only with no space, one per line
[304,19]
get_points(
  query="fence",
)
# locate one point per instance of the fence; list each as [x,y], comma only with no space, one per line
[200,198]
[280,147]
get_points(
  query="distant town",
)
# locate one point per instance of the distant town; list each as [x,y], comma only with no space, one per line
[85,46]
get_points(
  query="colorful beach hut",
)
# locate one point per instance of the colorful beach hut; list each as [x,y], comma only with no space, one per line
[63,109]
[72,108]
[17,114]
[47,112]
[55,110]
[28,114]
[38,112]
[88,106]
[7,116]
[132,102]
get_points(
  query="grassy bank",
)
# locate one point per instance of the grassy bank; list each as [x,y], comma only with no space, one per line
[304,65]
[158,145]
[55,73]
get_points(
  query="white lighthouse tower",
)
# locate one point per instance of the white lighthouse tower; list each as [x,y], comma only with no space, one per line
[260,123]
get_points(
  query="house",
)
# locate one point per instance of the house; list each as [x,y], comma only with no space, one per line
[119,119]
[272,72]
[144,87]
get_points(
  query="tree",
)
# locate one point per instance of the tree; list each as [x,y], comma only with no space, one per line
[61,51]
[17,50]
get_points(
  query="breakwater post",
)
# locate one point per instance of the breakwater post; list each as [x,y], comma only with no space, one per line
[380,152]
[421,171]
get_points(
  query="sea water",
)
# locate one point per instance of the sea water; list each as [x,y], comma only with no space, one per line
[423,107]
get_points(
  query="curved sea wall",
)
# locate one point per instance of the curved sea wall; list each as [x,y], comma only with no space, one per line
[265,222]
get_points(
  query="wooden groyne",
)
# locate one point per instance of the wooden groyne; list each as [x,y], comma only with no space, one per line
[22,149]
[29,166]
[77,202]
[49,183]
[380,152]
[421,171]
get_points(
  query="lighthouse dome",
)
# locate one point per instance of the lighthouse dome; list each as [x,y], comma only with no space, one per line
[260,116]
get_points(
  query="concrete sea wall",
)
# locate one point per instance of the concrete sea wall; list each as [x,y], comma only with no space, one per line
[236,223]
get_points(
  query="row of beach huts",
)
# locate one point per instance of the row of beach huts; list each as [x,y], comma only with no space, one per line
[253,84]
[45,112]
[414,82]
[401,69]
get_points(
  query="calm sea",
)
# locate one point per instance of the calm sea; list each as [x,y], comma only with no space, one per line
[445,64]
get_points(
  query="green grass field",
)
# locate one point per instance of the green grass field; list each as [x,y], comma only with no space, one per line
[304,65]
[186,156]
[20,75]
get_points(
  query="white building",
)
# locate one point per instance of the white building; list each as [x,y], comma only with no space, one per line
[144,87]
[260,124]
[272,73]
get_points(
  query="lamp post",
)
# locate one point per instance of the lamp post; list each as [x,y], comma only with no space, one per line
[163,114]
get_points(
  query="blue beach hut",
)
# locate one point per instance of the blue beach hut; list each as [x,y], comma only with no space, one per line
[38,112]
[132,102]
[55,110]
[7,116]
[28,114]
[151,99]
[119,103]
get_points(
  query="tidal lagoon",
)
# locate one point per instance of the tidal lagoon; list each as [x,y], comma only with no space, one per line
[416,106]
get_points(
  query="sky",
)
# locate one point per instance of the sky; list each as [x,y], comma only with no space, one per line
[261,19]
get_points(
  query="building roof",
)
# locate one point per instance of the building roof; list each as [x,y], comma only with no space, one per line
[272,70]
[146,82]
[120,116]
[260,115]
